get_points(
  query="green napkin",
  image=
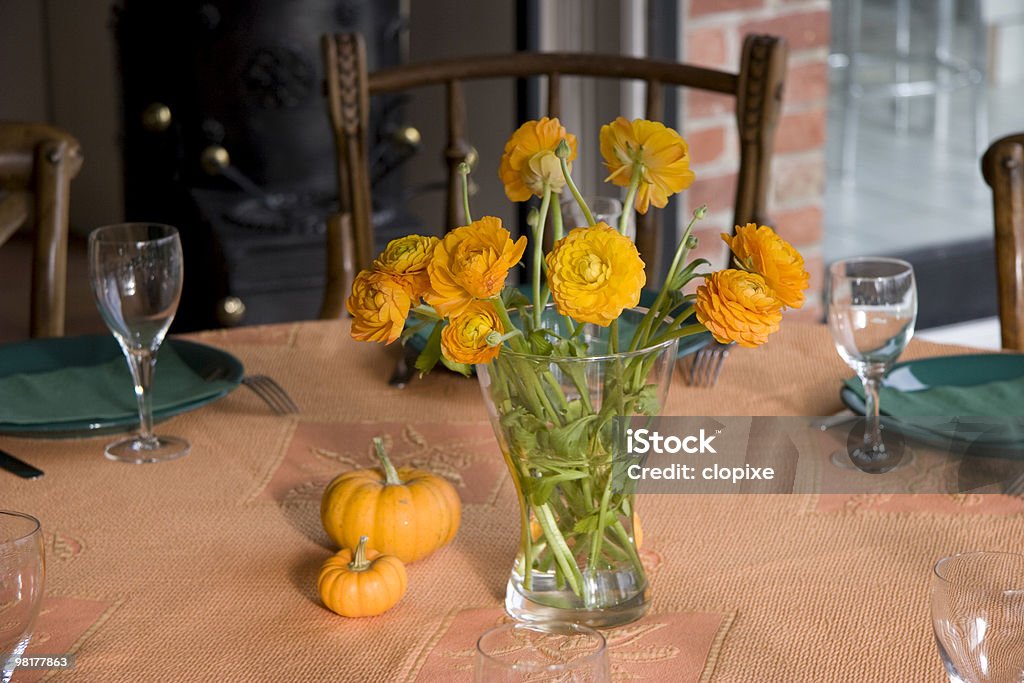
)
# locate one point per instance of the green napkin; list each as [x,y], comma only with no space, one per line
[991,413]
[99,392]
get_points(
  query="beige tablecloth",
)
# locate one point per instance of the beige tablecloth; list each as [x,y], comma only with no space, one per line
[204,569]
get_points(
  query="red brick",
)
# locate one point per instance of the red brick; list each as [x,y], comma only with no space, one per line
[806,83]
[799,227]
[707,47]
[718,192]
[706,145]
[801,29]
[701,103]
[798,179]
[801,131]
[704,7]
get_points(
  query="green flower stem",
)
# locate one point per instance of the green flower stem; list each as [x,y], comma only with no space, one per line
[557,390]
[630,547]
[685,331]
[643,330]
[613,336]
[464,174]
[627,203]
[575,191]
[563,556]
[557,226]
[538,255]
[516,343]
[598,535]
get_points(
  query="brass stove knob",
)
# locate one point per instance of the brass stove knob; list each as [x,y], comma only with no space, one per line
[408,136]
[230,311]
[214,159]
[156,118]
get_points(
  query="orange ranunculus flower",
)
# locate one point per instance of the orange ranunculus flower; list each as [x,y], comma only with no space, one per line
[379,305]
[594,273]
[737,306]
[471,263]
[529,160]
[464,338]
[662,151]
[759,250]
[406,259]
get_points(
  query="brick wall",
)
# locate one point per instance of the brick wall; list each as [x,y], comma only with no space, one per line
[712,35]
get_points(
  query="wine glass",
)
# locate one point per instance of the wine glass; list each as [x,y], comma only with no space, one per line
[136,271]
[22,571]
[872,308]
[977,605]
[604,209]
[544,651]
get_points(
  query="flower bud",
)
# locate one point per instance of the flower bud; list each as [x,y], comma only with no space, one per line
[562,151]
[700,211]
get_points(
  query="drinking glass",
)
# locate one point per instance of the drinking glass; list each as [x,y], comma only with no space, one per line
[977,604]
[604,209]
[136,272]
[21,585]
[545,651]
[872,308]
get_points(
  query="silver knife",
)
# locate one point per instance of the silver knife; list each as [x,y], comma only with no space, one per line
[18,467]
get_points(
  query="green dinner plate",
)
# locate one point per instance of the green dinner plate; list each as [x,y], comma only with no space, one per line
[965,371]
[205,375]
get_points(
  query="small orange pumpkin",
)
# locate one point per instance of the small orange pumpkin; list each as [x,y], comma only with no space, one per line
[407,512]
[361,584]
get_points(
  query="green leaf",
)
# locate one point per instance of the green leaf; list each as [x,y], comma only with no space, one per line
[571,440]
[461,368]
[587,524]
[576,410]
[431,353]
[514,298]
[540,344]
[646,402]
[688,273]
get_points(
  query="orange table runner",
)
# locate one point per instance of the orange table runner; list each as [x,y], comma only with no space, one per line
[205,568]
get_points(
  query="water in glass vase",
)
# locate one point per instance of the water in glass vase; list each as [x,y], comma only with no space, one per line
[871,335]
[620,591]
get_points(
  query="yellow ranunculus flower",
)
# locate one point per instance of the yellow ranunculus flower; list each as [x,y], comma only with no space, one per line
[759,250]
[406,259]
[737,306]
[662,151]
[471,262]
[379,305]
[464,339]
[594,273]
[529,160]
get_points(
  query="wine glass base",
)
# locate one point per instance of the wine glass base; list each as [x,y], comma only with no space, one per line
[137,450]
[842,459]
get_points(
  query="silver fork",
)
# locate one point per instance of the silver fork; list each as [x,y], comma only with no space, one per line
[706,365]
[272,393]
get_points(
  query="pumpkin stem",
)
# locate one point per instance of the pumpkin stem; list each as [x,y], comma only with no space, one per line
[359,562]
[390,473]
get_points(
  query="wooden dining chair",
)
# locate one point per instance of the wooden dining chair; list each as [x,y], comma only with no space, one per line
[757,89]
[1003,168]
[37,164]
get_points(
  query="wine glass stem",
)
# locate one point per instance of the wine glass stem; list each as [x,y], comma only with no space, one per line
[872,427]
[143,363]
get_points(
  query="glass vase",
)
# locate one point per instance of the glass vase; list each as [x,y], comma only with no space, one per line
[557,422]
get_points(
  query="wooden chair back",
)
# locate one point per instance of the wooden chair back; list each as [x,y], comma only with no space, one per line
[1003,168]
[757,89]
[37,164]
